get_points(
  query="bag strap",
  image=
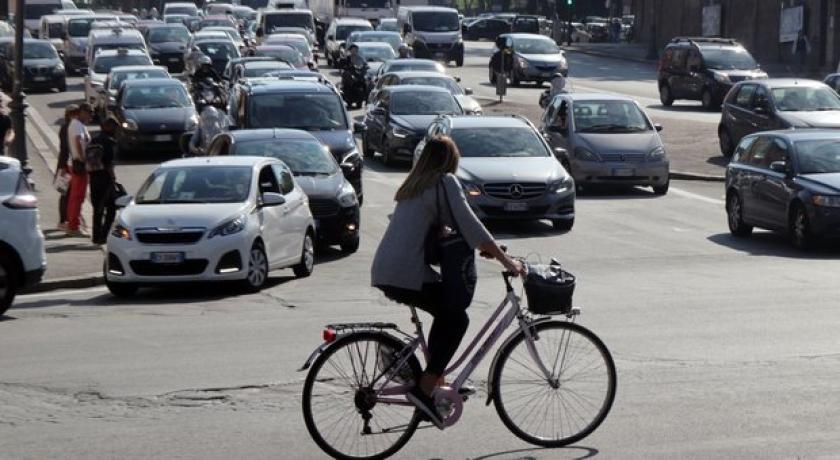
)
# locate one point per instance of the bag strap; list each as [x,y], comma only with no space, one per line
[449,207]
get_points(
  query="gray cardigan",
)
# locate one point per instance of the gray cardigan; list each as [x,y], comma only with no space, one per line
[400,258]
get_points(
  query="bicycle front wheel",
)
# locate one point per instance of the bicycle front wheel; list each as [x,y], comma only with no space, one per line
[567,405]
[343,406]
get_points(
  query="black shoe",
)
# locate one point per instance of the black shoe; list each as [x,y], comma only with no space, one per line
[426,405]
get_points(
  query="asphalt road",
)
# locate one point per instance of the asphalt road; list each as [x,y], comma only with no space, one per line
[725,348]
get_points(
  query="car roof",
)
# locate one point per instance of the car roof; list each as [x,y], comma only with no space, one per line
[416,88]
[794,135]
[431,8]
[216,16]
[376,33]
[99,33]
[598,97]
[137,68]
[785,82]
[351,21]
[525,35]
[421,73]
[243,135]
[118,52]
[487,121]
[289,86]
[265,64]
[288,36]
[9,163]
[166,25]
[372,45]
[146,82]
[227,160]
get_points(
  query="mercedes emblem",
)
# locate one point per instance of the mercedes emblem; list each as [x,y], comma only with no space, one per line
[515,191]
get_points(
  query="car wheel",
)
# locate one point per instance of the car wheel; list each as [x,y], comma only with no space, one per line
[800,229]
[563,225]
[387,156]
[661,189]
[725,141]
[735,216]
[257,268]
[459,62]
[708,100]
[62,86]
[514,80]
[665,96]
[351,245]
[367,150]
[9,282]
[307,257]
[492,77]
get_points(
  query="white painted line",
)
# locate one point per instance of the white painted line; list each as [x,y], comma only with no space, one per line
[695,196]
[62,292]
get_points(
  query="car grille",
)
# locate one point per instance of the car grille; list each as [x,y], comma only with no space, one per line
[188,267]
[39,71]
[534,211]
[438,46]
[166,60]
[158,237]
[323,208]
[626,157]
[514,191]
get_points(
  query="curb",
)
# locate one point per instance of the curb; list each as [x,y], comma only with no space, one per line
[609,55]
[70,282]
[682,175]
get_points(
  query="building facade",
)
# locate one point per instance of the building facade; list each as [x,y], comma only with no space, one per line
[767,28]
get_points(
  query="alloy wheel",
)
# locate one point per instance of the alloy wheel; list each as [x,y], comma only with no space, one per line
[308,253]
[725,143]
[4,282]
[257,267]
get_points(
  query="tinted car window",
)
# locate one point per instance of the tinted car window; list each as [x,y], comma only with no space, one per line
[119,77]
[156,97]
[169,35]
[442,82]
[498,142]
[745,94]
[422,103]
[300,111]
[104,64]
[728,59]
[303,157]
[436,22]
[218,50]
[227,184]
[818,157]
[741,154]
[759,152]
[535,46]
[39,51]
[797,99]
[609,116]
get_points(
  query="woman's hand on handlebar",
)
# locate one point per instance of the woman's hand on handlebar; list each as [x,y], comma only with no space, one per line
[515,267]
[491,250]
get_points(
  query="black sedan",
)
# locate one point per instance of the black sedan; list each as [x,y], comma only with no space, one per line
[167,43]
[787,181]
[332,199]
[488,28]
[397,118]
[153,114]
[42,67]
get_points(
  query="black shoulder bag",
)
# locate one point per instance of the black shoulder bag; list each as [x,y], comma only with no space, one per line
[441,238]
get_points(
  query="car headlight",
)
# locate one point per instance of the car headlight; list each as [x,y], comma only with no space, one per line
[130,125]
[561,186]
[58,69]
[657,154]
[827,201]
[347,196]
[121,232]
[229,227]
[584,154]
[192,123]
[722,78]
[521,61]
[470,189]
[400,132]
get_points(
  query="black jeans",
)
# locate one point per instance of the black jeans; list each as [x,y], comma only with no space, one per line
[102,198]
[447,301]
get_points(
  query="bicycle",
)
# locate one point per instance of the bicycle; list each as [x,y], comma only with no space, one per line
[353,396]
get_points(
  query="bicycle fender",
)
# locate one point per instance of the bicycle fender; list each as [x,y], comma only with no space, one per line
[314,355]
[323,346]
[499,352]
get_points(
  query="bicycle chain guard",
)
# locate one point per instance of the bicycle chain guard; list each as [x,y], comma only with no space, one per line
[450,404]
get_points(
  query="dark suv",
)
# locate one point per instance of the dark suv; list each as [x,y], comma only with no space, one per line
[703,69]
[305,105]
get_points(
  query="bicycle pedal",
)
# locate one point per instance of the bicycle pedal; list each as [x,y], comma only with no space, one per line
[467,391]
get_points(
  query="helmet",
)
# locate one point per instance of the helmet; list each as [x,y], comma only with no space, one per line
[404,50]
[204,61]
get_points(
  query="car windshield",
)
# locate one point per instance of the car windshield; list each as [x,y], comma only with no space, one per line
[376,53]
[118,78]
[498,142]
[244,13]
[36,11]
[818,156]
[79,27]
[309,112]
[302,46]
[263,70]
[304,157]
[104,64]
[442,82]
[156,97]
[391,39]
[367,3]
[420,66]
[169,35]
[218,50]
[288,20]
[197,184]
[609,117]
[342,32]
[805,99]
[728,59]
[388,26]
[216,23]
[535,46]
[39,51]
[185,10]
[422,103]
[54,29]
[436,21]
[285,53]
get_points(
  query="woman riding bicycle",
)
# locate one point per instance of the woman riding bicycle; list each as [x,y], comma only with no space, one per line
[432,216]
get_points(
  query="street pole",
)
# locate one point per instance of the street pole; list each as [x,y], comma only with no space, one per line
[18,103]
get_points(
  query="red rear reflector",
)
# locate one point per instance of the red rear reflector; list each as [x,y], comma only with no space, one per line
[329,335]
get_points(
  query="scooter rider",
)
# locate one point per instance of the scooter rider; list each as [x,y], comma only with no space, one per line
[354,58]
[558,85]
[205,70]
[404,52]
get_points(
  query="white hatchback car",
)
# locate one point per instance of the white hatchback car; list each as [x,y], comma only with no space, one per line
[22,256]
[211,219]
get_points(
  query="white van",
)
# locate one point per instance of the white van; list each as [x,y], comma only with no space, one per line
[269,20]
[186,8]
[111,39]
[52,29]
[77,30]
[37,8]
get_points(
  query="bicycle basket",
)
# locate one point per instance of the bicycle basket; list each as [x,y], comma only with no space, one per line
[549,289]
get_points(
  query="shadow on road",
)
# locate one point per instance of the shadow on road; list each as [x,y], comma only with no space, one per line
[535,453]
[719,160]
[683,108]
[773,244]
[614,192]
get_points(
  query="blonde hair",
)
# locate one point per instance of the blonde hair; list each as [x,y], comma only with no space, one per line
[440,156]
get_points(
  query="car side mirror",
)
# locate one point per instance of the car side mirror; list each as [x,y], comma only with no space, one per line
[560,153]
[272,199]
[468,91]
[779,167]
[657,126]
[359,128]
[123,201]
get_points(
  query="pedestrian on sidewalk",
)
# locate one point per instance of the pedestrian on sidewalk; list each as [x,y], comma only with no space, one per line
[100,166]
[78,139]
[6,131]
[63,159]
[801,50]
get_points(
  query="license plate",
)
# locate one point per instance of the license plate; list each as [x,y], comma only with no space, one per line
[174,60]
[167,257]
[162,137]
[39,78]
[516,207]
[623,172]
[440,55]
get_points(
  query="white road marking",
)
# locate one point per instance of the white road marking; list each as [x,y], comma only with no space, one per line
[695,196]
[62,292]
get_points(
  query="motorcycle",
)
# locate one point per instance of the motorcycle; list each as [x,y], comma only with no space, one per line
[354,87]
[208,92]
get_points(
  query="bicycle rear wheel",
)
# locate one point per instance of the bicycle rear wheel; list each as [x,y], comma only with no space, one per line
[569,405]
[340,407]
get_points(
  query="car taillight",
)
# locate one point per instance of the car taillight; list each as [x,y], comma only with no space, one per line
[329,335]
[23,197]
